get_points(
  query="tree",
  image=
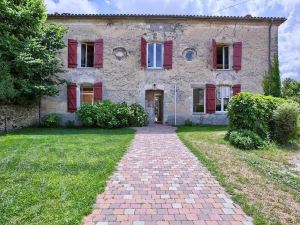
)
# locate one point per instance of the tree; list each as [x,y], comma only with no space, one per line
[291,89]
[271,81]
[29,48]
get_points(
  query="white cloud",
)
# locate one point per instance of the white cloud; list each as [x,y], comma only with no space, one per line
[71,6]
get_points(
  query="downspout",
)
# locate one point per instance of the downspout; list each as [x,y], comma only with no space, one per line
[175,102]
[269,55]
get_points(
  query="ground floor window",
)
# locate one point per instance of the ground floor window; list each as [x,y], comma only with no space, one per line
[86,94]
[198,100]
[223,98]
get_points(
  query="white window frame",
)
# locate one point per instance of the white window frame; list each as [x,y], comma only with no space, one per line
[223,56]
[154,55]
[222,98]
[81,87]
[79,57]
[204,100]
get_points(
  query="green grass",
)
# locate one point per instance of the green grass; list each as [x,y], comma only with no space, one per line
[261,181]
[52,176]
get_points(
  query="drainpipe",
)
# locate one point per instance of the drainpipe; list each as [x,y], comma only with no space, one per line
[269,55]
[175,101]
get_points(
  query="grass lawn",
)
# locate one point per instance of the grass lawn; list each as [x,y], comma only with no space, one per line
[263,181]
[52,176]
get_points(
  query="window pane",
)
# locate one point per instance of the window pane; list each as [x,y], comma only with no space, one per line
[86,95]
[90,55]
[158,55]
[150,55]
[226,101]
[218,100]
[219,57]
[83,51]
[198,100]
[226,58]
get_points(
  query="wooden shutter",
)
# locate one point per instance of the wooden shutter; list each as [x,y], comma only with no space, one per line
[98,53]
[98,91]
[168,54]
[237,56]
[236,89]
[72,97]
[72,53]
[210,98]
[143,52]
[214,54]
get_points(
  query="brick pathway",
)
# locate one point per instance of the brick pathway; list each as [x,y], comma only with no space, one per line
[160,182]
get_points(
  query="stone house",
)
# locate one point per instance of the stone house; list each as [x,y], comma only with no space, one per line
[178,67]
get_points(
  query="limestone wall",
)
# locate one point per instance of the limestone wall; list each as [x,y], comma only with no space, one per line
[125,80]
[16,117]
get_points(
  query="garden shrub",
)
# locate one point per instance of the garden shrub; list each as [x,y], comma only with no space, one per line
[188,123]
[285,119]
[138,115]
[245,139]
[52,120]
[106,114]
[252,112]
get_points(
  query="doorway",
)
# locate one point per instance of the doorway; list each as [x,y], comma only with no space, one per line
[154,105]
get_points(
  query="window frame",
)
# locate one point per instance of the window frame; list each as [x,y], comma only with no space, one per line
[222,98]
[223,46]
[86,43]
[204,100]
[86,85]
[154,55]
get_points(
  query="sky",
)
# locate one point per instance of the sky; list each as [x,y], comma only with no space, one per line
[289,32]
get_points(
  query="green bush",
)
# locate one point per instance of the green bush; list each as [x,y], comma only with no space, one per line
[52,120]
[138,115]
[252,112]
[245,139]
[188,123]
[106,114]
[285,119]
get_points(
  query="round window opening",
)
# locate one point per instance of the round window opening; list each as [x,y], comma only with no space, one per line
[120,53]
[189,54]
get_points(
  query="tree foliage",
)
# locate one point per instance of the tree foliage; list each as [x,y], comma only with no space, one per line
[291,89]
[29,48]
[271,81]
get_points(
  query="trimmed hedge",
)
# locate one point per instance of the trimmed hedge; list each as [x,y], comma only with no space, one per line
[106,114]
[253,112]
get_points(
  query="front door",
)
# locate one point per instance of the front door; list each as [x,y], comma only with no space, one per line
[154,106]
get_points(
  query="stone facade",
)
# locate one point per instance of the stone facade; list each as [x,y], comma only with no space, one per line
[124,80]
[16,117]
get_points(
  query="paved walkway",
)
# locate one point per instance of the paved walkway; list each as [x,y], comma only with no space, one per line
[160,182]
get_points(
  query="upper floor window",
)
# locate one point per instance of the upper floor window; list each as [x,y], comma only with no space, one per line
[155,55]
[222,57]
[223,98]
[198,100]
[87,54]
[87,94]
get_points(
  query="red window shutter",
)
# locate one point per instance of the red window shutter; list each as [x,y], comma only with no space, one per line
[98,53]
[72,98]
[98,91]
[214,54]
[237,56]
[168,54]
[210,98]
[236,89]
[72,53]
[143,52]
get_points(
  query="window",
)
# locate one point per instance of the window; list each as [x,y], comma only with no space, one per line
[222,57]
[223,97]
[189,55]
[87,54]
[154,55]
[86,94]
[198,100]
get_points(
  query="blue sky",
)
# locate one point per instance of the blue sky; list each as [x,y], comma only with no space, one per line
[289,32]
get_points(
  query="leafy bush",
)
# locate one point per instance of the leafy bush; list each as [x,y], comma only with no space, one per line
[106,114]
[245,139]
[252,112]
[188,123]
[138,115]
[52,120]
[285,119]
